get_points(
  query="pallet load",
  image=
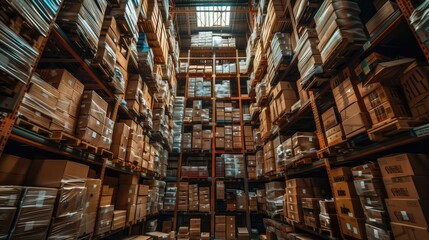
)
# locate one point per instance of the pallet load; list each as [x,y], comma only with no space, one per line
[269,159]
[260,62]
[405,177]
[274,198]
[280,55]
[311,212]
[340,32]
[370,188]
[328,217]
[283,98]
[83,21]
[309,59]
[274,21]
[415,83]
[193,197]
[349,210]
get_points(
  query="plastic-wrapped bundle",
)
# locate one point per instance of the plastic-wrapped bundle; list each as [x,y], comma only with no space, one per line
[34,215]
[274,192]
[223,90]
[170,196]
[104,219]
[65,226]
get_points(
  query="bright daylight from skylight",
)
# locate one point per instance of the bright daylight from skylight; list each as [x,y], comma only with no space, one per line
[213,16]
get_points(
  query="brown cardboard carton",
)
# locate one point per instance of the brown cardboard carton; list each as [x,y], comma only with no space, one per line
[126,179]
[13,169]
[51,173]
[356,124]
[344,190]
[88,121]
[350,111]
[407,187]
[295,216]
[365,171]
[405,164]
[329,118]
[408,211]
[143,190]
[349,207]
[386,111]
[407,232]
[105,201]
[353,227]
[311,203]
[342,174]
[93,187]
[298,182]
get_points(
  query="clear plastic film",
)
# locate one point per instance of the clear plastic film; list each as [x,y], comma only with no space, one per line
[65,226]
[34,216]
[71,199]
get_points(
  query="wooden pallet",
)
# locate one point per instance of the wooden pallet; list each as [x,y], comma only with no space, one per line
[87,147]
[33,127]
[105,153]
[382,131]
[66,138]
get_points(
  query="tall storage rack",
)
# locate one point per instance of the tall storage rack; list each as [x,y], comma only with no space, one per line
[213,55]
[360,149]
[56,49]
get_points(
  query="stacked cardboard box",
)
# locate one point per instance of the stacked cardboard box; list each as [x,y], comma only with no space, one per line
[227,112]
[415,84]
[70,182]
[370,188]
[159,119]
[187,141]
[183,233]
[40,103]
[121,132]
[84,19]
[304,143]
[333,129]
[210,39]
[260,61]
[142,201]
[105,57]
[199,87]
[261,91]
[243,233]
[368,64]
[280,54]
[384,14]
[134,144]
[119,218]
[334,34]
[284,153]
[253,202]
[197,136]
[251,167]
[304,10]
[220,227]
[137,96]
[206,68]
[311,211]
[309,59]
[405,177]
[223,89]
[195,228]
[383,103]
[269,158]
[18,209]
[225,67]
[107,192]
[183,200]
[91,118]
[220,190]
[70,93]
[104,219]
[296,189]
[204,197]
[274,198]
[265,120]
[349,209]
[170,197]
[328,215]
[156,195]
[262,200]
[234,165]
[349,105]
[272,23]
[92,197]
[127,196]
[230,227]
[178,111]
[284,97]
[193,197]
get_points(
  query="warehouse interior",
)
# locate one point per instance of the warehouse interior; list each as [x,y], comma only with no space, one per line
[214,119]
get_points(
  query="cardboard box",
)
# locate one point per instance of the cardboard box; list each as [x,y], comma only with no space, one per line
[349,207]
[408,211]
[344,190]
[13,169]
[51,173]
[405,164]
[93,187]
[143,190]
[407,232]
[298,182]
[374,233]
[311,203]
[353,227]
[370,187]
[386,111]
[407,187]
[366,171]
[105,200]
[342,174]
[356,124]
[329,118]
[128,179]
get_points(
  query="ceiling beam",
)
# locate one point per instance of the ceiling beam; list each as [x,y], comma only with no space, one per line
[188,11]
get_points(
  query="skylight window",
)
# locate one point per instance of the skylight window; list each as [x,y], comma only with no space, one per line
[213,16]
